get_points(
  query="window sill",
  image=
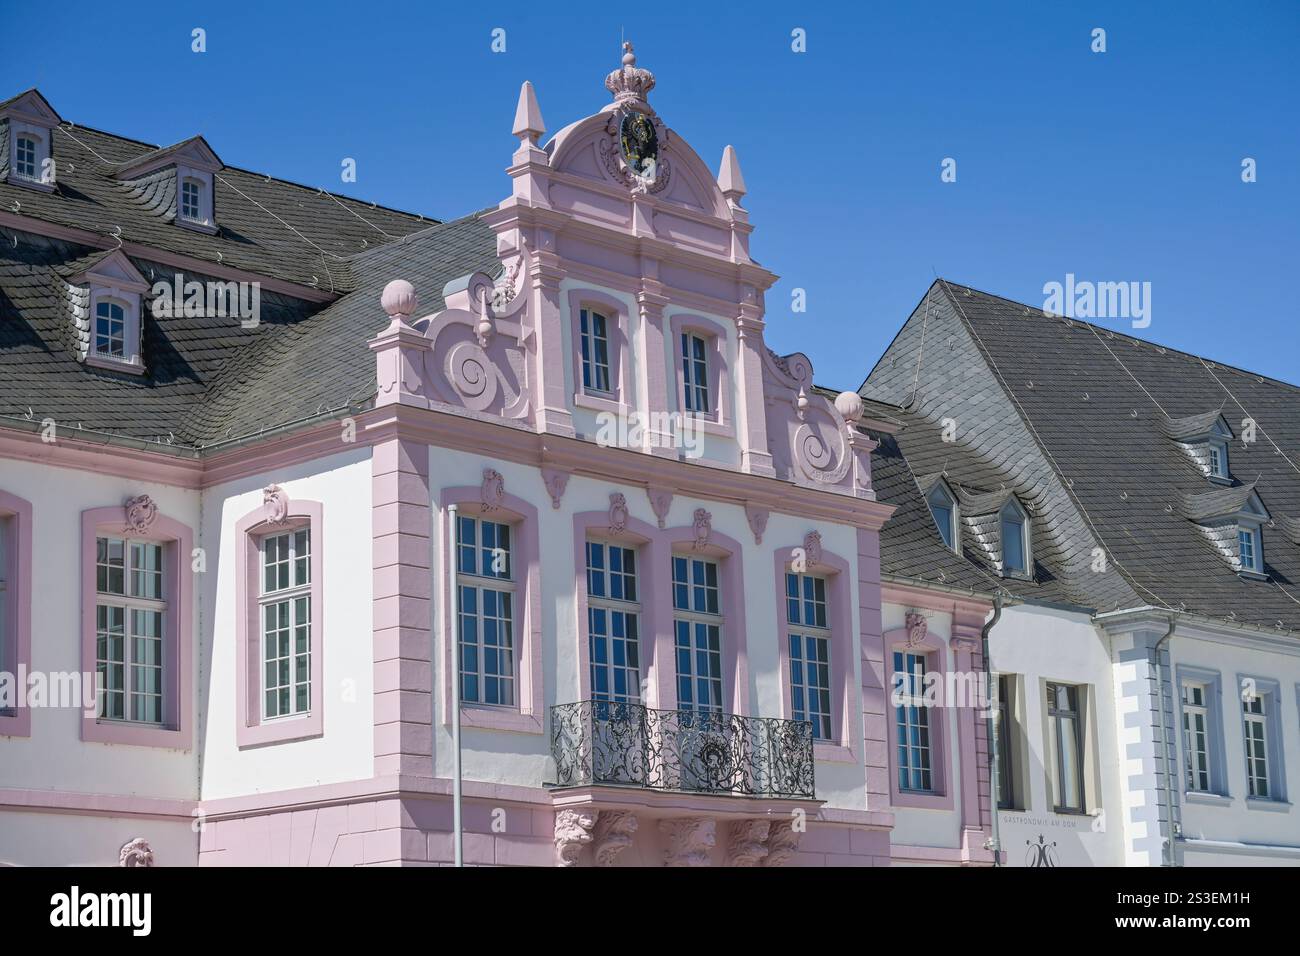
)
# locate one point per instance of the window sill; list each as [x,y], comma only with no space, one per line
[828,752]
[708,425]
[919,800]
[94,730]
[1269,806]
[281,730]
[599,403]
[1207,799]
[135,367]
[16,180]
[488,718]
[16,722]
[1220,479]
[203,227]
[1252,576]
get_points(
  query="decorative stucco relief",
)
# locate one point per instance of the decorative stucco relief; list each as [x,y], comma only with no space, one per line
[136,852]
[140,514]
[690,840]
[614,832]
[748,842]
[572,833]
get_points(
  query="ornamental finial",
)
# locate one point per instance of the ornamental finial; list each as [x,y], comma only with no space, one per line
[630,84]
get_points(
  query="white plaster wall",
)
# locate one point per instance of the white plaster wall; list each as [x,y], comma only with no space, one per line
[1242,821]
[54,757]
[924,827]
[342,483]
[510,757]
[1042,644]
[59,839]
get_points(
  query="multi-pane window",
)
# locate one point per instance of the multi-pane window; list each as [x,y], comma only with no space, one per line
[129,611]
[1248,548]
[944,511]
[613,619]
[25,157]
[593,331]
[912,722]
[1006,766]
[485,579]
[191,200]
[286,623]
[695,374]
[697,630]
[1196,737]
[1066,741]
[1013,541]
[1255,714]
[110,329]
[1219,459]
[810,651]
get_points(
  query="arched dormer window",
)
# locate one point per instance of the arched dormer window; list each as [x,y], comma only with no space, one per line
[27,156]
[1015,539]
[943,507]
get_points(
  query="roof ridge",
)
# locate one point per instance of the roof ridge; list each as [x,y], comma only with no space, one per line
[1132,338]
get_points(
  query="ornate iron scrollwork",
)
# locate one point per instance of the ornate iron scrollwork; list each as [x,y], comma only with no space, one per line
[600,743]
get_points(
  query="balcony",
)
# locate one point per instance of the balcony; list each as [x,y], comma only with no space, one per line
[597,743]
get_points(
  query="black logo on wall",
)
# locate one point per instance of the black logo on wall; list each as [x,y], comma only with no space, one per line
[1041,853]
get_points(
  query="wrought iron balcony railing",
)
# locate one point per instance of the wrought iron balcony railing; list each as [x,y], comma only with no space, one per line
[630,745]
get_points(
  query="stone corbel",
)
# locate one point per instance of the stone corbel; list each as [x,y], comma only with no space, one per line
[661,499]
[572,833]
[782,843]
[614,832]
[757,518]
[748,842]
[136,852]
[690,840]
[557,480]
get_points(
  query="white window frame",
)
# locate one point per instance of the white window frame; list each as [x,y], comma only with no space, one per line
[129,603]
[41,138]
[206,221]
[1218,459]
[951,540]
[1198,745]
[1255,718]
[1022,518]
[1249,531]
[707,626]
[915,760]
[591,348]
[504,588]
[1057,717]
[129,302]
[822,719]
[628,610]
[184,206]
[296,596]
[696,397]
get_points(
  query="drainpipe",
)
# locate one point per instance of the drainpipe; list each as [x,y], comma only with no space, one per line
[988,727]
[453,611]
[1167,787]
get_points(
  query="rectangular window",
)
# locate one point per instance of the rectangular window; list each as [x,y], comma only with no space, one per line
[697,628]
[1013,543]
[191,200]
[286,624]
[810,651]
[613,617]
[594,333]
[1004,718]
[1256,715]
[1196,737]
[695,374]
[25,157]
[1066,742]
[129,610]
[486,629]
[1216,461]
[1246,549]
[110,329]
[912,723]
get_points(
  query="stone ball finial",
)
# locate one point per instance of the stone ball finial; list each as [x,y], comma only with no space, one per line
[849,404]
[629,58]
[399,299]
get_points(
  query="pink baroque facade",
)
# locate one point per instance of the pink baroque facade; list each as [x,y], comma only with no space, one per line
[640,547]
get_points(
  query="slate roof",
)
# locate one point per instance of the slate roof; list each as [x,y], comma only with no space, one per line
[1051,409]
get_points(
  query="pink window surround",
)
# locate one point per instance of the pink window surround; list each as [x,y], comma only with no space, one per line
[177,728]
[719,421]
[16,514]
[655,549]
[936,661]
[617,327]
[527,714]
[251,729]
[844,649]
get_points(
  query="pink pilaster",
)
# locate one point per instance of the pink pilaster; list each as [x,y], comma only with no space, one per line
[553,414]
[971,742]
[751,418]
[875,713]
[651,302]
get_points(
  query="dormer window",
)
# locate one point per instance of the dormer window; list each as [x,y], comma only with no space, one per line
[1015,540]
[110,328]
[191,200]
[944,509]
[27,156]
[1218,457]
[1249,552]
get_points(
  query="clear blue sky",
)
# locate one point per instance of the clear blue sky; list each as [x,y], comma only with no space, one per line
[1117,166]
